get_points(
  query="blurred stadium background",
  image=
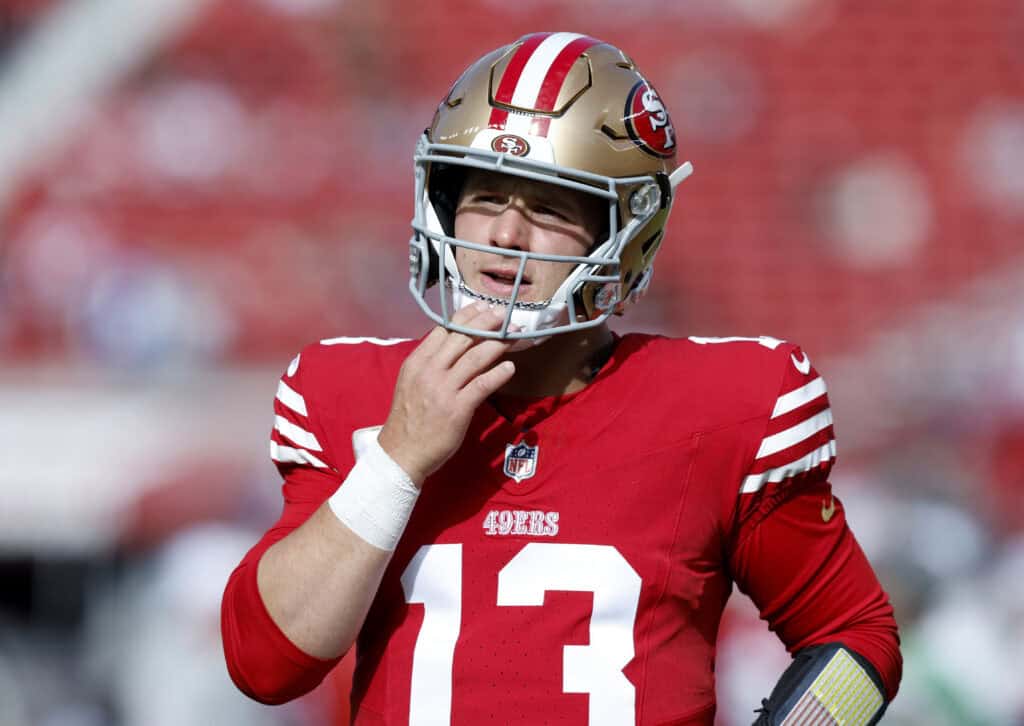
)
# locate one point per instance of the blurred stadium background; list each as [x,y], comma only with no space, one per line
[190,190]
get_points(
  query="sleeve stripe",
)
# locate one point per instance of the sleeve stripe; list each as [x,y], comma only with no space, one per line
[797,398]
[297,434]
[795,434]
[291,398]
[288,455]
[811,443]
[754,482]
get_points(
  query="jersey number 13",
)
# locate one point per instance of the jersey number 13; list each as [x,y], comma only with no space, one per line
[434,579]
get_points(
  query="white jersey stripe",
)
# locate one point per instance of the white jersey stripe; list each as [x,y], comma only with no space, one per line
[288,455]
[795,399]
[804,464]
[532,78]
[297,434]
[291,398]
[795,434]
[354,341]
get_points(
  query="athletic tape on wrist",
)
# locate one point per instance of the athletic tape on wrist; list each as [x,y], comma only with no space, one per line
[377,497]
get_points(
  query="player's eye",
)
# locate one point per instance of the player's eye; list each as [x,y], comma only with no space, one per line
[546,210]
[488,197]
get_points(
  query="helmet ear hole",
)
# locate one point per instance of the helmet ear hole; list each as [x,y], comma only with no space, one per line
[422,252]
[433,267]
[444,185]
[665,186]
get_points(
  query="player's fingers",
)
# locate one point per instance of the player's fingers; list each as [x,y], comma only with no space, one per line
[487,383]
[430,344]
[467,314]
[436,338]
[456,344]
[477,359]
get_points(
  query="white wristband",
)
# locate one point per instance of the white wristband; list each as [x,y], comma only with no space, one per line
[376,499]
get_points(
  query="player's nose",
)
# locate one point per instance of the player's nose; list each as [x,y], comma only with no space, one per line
[510,228]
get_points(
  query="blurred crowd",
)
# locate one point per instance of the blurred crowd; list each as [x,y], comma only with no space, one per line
[190,190]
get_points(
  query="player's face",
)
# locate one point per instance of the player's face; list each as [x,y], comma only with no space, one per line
[518,214]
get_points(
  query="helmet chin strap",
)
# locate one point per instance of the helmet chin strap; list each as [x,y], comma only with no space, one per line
[528,317]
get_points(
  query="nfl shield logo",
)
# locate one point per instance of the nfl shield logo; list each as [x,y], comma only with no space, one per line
[520,461]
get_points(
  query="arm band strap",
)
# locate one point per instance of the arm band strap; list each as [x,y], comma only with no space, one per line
[824,686]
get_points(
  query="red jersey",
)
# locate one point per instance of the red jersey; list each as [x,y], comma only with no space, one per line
[570,563]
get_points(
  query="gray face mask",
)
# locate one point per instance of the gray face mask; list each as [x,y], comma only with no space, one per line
[432,250]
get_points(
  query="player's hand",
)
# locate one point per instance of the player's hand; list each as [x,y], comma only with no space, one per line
[439,386]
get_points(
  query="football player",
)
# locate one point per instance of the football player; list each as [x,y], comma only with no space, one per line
[521,517]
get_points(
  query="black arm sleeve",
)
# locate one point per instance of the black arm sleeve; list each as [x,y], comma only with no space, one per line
[825,685]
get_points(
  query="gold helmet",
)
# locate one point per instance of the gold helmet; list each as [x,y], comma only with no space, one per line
[564,109]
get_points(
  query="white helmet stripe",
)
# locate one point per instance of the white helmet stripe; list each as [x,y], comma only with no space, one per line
[538,67]
[532,78]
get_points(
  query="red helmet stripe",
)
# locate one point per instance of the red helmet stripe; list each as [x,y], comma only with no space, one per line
[552,85]
[511,77]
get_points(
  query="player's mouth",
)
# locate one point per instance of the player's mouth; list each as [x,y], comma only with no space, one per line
[501,281]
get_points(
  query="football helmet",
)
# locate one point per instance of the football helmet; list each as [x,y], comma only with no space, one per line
[563,109]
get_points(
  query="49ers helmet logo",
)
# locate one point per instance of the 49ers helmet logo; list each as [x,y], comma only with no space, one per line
[647,121]
[511,144]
